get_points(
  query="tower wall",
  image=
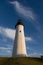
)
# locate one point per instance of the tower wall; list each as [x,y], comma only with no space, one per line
[19,42]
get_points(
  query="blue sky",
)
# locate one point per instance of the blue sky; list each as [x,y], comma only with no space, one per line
[31,13]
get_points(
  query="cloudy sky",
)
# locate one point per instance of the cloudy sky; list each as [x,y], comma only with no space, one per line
[31,13]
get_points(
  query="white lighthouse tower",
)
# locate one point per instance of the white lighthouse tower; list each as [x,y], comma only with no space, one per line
[19,48]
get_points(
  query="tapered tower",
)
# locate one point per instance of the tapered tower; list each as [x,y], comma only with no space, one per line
[19,49]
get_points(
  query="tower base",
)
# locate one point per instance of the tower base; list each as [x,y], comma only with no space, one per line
[20,55]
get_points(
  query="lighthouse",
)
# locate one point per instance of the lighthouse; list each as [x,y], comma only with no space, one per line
[19,47]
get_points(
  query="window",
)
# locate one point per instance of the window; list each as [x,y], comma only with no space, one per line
[20,31]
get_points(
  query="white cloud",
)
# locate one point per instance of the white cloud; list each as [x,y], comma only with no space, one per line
[35,54]
[7,32]
[24,11]
[10,33]
[28,38]
[9,46]
[29,48]
[29,14]
[4,48]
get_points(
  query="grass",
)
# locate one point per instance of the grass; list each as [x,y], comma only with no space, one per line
[21,61]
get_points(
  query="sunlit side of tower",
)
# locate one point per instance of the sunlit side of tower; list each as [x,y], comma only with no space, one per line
[19,48]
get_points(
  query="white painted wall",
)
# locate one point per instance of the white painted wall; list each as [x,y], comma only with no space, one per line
[19,43]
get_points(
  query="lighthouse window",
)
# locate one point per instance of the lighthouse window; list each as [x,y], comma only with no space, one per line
[20,30]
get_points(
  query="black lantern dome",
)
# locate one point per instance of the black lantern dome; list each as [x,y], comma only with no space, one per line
[19,23]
